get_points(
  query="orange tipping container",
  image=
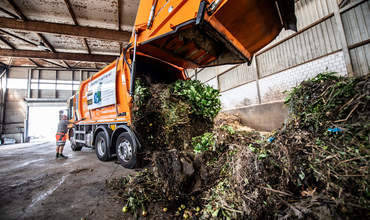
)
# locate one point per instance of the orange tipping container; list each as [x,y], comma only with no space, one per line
[201,33]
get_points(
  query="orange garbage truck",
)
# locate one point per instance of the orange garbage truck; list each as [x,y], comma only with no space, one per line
[169,36]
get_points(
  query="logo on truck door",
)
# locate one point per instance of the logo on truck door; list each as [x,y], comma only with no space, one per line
[102,90]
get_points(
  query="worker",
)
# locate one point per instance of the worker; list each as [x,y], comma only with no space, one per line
[61,137]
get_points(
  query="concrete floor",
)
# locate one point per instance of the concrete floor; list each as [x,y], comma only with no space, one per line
[34,185]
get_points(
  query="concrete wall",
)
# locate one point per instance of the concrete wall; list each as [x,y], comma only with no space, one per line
[329,39]
[264,117]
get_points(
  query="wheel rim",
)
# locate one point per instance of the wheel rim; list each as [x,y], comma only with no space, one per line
[125,150]
[101,147]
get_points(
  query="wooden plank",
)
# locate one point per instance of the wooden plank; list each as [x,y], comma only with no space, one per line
[332,31]
[360,16]
[57,56]
[359,44]
[305,43]
[361,56]
[325,7]
[367,55]
[310,43]
[353,22]
[326,33]
[290,53]
[343,40]
[65,29]
[317,41]
[366,11]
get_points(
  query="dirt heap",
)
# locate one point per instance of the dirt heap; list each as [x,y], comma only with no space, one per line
[315,167]
[166,119]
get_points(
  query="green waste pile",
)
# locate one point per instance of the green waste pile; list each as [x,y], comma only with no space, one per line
[315,167]
[168,116]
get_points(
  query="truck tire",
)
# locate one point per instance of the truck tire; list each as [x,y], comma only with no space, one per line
[126,150]
[101,146]
[74,146]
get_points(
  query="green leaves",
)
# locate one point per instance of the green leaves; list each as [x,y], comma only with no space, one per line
[141,94]
[204,99]
[228,128]
[204,143]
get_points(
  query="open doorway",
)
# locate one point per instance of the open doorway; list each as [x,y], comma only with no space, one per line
[43,121]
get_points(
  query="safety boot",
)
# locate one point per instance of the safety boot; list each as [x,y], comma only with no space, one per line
[62,156]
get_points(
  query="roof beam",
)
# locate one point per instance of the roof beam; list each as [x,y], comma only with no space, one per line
[57,56]
[66,64]
[6,42]
[65,29]
[41,37]
[46,42]
[17,9]
[9,13]
[55,64]
[76,64]
[69,6]
[34,62]
[19,38]
[70,10]
[86,45]
[10,61]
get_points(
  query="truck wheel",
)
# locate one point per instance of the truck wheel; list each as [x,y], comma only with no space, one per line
[101,147]
[74,146]
[126,150]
